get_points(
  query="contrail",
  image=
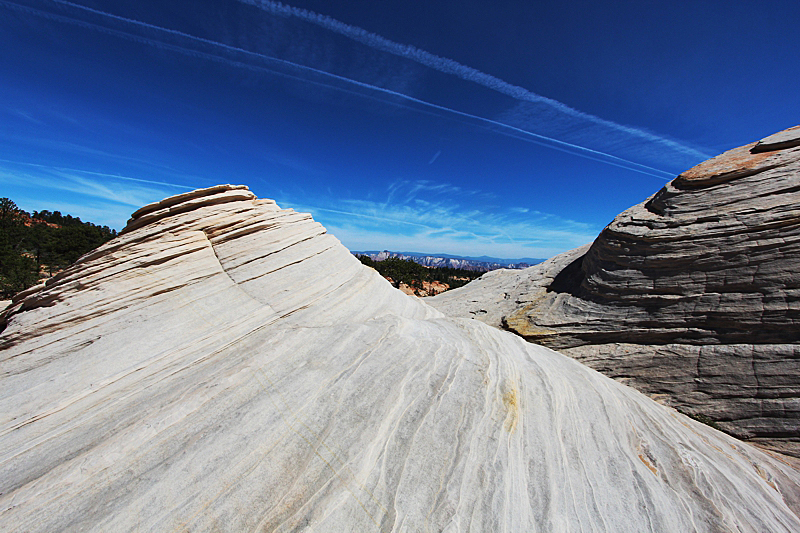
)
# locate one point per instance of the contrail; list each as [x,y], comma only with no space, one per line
[528,136]
[435,157]
[115,176]
[449,66]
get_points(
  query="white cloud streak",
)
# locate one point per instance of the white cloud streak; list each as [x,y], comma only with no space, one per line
[94,196]
[380,43]
[101,174]
[406,221]
[449,66]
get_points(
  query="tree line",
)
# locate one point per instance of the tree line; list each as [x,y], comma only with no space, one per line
[413,274]
[40,243]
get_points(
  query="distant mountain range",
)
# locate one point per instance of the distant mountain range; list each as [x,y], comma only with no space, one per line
[480,264]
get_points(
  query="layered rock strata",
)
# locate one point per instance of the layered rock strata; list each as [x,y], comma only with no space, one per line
[226,365]
[692,295]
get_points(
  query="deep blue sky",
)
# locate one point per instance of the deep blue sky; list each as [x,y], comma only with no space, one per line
[509,129]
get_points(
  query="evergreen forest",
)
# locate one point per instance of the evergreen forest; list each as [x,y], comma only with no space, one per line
[413,274]
[39,244]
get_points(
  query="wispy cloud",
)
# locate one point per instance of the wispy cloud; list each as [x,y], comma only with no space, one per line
[65,170]
[105,199]
[413,218]
[467,73]
[254,60]
[26,116]
[403,192]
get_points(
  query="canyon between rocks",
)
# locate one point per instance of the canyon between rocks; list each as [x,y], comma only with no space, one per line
[227,365]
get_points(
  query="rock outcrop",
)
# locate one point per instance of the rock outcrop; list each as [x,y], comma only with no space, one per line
[692,296]
[227,365]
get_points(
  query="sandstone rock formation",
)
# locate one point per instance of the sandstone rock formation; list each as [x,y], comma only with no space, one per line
[226,365]
[692,296]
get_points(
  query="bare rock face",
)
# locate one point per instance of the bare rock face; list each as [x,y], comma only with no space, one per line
[226,365]
[692,296]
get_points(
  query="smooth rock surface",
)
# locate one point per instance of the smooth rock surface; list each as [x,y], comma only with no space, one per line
[229,366]
[692,296]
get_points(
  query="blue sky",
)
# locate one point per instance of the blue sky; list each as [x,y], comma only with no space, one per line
[508,129]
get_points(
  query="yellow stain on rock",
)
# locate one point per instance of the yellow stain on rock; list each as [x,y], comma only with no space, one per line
[765,477]
[511,402]
[648,464]
[523,320]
